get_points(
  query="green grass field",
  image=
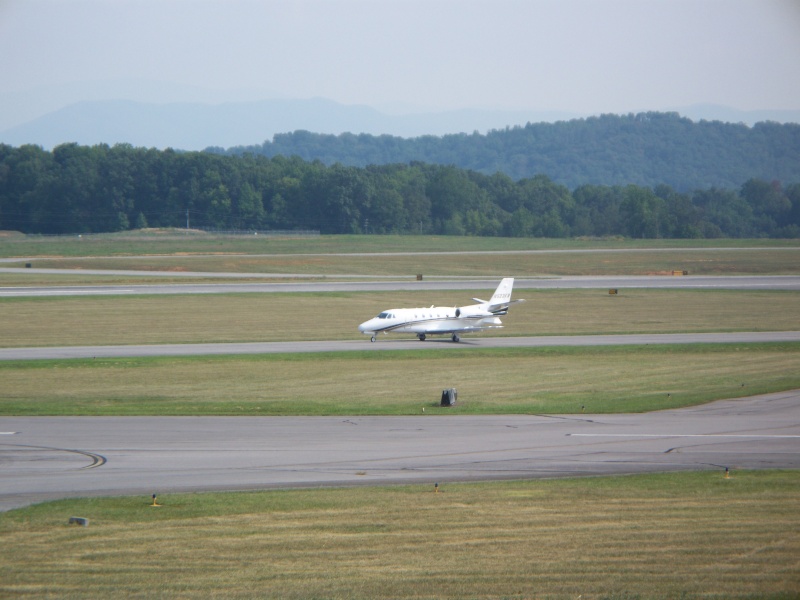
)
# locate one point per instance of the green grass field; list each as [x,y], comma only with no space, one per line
[527,381]
[496,381]
[689,535]
[68,321]
[397,256]
[179,241]
[779,261]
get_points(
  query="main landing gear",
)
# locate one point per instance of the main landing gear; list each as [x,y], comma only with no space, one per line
[421,337]
[455,338]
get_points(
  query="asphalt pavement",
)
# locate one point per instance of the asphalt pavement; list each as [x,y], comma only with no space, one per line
[378,284]
[57,457]
[388,343]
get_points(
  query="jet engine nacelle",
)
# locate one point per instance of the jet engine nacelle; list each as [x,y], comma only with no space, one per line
[479,313]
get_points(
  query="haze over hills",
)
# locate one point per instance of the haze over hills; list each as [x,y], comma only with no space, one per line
[709,145]
[195,126]
[199,125]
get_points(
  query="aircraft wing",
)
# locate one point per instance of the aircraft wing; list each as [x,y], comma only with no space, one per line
[466,329]
[467,323]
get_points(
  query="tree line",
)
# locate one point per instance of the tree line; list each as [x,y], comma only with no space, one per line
[646,149]
[92,189]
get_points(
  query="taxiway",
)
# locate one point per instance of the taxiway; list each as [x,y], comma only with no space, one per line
[56,457]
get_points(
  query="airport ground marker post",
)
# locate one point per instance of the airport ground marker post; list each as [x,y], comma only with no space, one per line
[449,397]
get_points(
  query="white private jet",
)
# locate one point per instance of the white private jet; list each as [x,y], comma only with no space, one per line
[439,320]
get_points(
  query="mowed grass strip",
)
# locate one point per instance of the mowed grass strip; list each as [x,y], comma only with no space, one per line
[183,242]
[687,535]
[633,261]
[491,381]
[192,242]
[120,320]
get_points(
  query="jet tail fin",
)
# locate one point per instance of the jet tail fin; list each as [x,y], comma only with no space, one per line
[501,298]
[503,292]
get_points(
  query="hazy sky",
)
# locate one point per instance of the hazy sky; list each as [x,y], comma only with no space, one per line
[588,56]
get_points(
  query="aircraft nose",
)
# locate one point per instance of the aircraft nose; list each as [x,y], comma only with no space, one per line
[368,326]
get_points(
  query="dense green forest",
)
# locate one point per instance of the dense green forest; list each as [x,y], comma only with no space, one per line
[646,149]
[82,189]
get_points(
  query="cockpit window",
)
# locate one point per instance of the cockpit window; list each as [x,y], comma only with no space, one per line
[383,315]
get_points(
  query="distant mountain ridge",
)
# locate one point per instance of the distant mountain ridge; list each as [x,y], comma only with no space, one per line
[198,125]
[646,149]
[195,126]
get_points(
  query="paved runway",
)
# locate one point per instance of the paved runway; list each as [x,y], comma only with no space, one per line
[389,343]
[54,457]
[371,284]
